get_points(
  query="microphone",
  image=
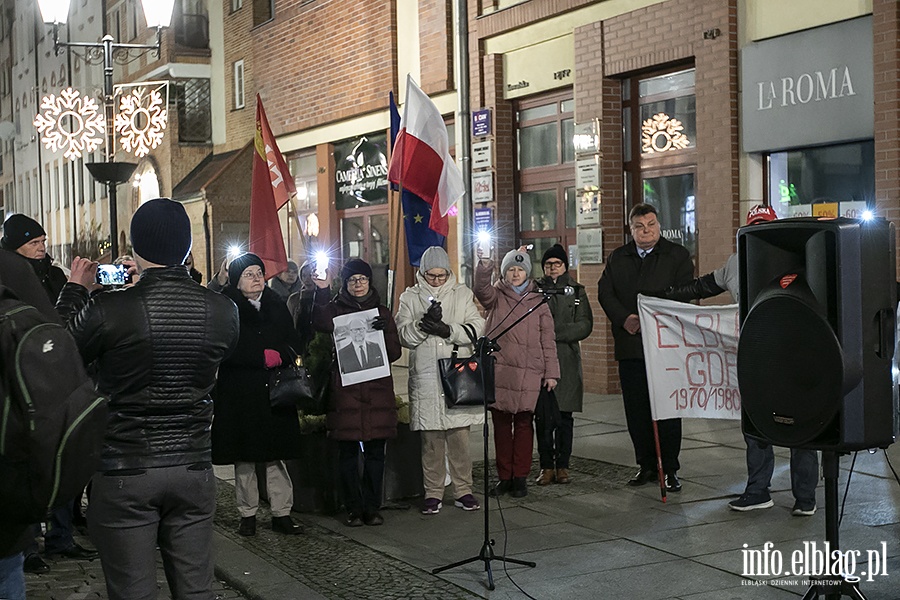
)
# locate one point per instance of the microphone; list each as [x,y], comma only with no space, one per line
[564,291]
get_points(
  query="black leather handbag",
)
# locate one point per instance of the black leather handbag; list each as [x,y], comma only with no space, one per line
[467,381]
[290,386]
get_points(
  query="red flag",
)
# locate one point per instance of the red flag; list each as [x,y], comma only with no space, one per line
[271,188]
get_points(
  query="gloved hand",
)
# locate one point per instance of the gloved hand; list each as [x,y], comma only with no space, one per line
[435,312]
[431,327]
[379,323]
[273,358]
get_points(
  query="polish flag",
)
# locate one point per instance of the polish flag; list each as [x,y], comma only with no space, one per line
[272,186]
[420,158]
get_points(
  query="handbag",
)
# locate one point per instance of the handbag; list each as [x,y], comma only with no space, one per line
[467,381]
[290,386]
[546,411]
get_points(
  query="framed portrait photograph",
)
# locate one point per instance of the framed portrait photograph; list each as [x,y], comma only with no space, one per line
[361,353]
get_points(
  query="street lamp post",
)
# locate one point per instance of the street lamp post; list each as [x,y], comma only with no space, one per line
[158,14]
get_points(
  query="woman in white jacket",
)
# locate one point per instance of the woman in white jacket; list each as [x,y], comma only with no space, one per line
[431,320]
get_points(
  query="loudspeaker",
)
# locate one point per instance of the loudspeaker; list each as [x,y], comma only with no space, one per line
[816,354]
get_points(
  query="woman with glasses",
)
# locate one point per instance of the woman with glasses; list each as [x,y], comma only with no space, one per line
[436,314]
[525,363]
[360,414]
[246,430]
[574,321]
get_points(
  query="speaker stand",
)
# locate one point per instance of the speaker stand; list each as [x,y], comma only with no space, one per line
[841,585]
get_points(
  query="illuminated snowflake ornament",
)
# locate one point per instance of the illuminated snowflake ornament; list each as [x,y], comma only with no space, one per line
[70,122]
[142,119]
[661,133]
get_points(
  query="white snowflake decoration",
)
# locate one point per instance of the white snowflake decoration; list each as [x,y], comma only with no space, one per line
[141,120]
[70,122]
[661,133]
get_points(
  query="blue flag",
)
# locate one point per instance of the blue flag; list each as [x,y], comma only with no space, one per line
[416,212]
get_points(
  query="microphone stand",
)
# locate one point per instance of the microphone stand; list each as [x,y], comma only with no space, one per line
[484,347]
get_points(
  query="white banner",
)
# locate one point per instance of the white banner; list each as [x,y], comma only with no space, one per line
[691,356]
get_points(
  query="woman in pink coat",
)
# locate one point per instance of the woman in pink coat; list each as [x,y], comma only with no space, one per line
[526,362]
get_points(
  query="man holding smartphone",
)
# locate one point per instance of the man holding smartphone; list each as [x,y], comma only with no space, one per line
[156,347]
[26,239]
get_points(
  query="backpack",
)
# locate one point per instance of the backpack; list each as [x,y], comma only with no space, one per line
[52,420]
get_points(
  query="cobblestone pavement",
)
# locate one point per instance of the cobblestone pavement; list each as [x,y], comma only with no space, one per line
[83,580]
[338,567]
[330,563]
[326,561]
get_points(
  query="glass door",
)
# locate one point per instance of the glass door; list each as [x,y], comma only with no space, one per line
[673,196]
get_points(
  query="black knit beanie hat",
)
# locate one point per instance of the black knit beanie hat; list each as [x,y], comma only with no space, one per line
[237,266]
[161,232]
[355,266]
[18,230]
[555,251]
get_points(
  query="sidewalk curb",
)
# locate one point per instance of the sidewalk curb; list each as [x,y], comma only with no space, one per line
[254,577]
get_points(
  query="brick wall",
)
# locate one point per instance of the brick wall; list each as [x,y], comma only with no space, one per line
[240,123]
[654,37]
[886,63]
[231,204]
[671,33]
[504,156]
[436,45]
[324,62]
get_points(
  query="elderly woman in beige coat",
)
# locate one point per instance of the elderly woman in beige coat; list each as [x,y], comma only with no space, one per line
[525,363]
[433,316]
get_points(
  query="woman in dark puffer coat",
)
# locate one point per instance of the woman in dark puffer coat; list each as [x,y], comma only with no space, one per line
[363,412]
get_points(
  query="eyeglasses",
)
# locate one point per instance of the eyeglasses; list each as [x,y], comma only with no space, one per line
[358,280]
[554,264]
[438,277]
[253,275]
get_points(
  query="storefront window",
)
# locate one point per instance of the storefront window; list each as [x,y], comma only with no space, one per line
[546,211]
[546,134]
[828,181]
[668,112]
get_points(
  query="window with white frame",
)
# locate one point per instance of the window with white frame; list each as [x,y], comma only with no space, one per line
[236,5]
[239,84]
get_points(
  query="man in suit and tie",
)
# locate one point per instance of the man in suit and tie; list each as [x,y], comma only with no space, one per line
[360,354]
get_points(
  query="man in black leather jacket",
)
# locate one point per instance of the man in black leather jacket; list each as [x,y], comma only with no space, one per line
[156,347]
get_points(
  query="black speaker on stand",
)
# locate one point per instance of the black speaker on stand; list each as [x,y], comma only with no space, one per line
[818,301]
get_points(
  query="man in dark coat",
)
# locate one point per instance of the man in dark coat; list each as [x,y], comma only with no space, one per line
[19,277]
[647,262]
[25,237]
[573,321]
[155,347]
[360,353]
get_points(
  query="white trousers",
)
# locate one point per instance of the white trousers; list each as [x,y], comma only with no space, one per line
[278,485]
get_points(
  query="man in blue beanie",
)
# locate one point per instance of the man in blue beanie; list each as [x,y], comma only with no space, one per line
[156,347]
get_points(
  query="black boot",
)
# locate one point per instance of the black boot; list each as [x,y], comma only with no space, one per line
[519,487]
[503,486]
[285,525]
[248,526]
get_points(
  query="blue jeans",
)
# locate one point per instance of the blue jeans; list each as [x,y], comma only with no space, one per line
[58,538]
[761,465]
[12,577]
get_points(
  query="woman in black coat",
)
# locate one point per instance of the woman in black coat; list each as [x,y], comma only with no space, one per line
[246,430]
